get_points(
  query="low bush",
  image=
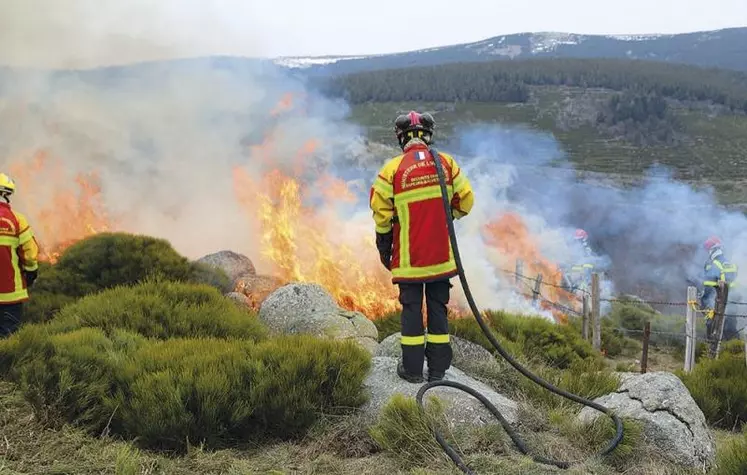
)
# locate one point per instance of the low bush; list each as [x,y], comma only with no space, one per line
[404,431]
[107,260]
[536,338]
[388,325]
[731,458]
[719,386]
[161,309]
[168,394]
[590,378]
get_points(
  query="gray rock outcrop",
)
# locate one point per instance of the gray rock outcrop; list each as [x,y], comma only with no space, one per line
[308,308]
[671,419]
[232,263]
[382,383]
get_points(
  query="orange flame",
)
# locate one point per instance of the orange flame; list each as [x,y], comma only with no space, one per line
[303,244]
[59,215]
[510,234]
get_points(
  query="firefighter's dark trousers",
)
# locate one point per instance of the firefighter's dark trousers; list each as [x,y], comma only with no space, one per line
[416,347]
[10,318]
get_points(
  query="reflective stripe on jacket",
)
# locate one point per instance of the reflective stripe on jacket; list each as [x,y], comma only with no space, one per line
[18,253]
[406,199]
[723,271]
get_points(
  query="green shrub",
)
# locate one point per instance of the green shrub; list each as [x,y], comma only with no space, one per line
[719,386]
[168,394]
[590,378]
[404,431]
[535,338]
[731,459]
[161,310]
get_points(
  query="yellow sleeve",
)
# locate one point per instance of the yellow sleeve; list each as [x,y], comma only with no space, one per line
[464,198]
[381,199]
[29,246]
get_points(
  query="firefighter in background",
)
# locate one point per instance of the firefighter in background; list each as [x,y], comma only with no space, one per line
[18,260]
[716,269]
[577,277]
[413,242]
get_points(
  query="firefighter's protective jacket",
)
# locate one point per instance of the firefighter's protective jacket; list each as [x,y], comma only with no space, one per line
[718,269]
[406,200]
[18,253]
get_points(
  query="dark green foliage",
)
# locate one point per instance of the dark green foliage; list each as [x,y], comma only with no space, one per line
[109,259]
[506,81]
[161,310]
[719,386]
[186,391]
[534,337]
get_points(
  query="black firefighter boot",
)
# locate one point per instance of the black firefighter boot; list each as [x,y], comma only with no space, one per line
[410,378]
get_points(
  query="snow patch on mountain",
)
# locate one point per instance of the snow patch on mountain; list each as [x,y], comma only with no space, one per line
[307,62]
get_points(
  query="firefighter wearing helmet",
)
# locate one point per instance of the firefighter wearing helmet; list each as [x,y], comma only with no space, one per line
[18,260]
[577,277]
[716,269]
[413,242]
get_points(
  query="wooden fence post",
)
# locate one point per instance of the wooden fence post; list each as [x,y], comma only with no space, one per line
[744,336]
[519,271]
[719,318]
[585,316]
[646,336]
[692,295]
[595,318]
[537,288]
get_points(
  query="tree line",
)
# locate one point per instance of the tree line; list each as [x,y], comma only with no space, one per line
[508,81]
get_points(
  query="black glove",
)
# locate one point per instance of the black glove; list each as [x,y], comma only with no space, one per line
[31,276]
[384,244]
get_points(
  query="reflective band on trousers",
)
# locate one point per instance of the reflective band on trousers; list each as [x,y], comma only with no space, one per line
[432,338]
[413,340]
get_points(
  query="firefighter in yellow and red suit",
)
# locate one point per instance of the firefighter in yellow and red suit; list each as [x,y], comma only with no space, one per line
[18,260]
[413,242]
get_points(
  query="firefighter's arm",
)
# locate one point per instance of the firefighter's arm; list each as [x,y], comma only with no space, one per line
[381,198]
[29,247]
[463,198]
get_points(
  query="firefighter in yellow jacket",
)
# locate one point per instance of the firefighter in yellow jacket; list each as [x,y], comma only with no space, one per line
[413,242]
[18,260]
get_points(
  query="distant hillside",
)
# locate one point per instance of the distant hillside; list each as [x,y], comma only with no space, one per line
[725,48]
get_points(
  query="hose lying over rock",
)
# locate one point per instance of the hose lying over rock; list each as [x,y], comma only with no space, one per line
[486,330]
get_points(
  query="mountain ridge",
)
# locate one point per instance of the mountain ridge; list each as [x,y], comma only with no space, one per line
[724,48]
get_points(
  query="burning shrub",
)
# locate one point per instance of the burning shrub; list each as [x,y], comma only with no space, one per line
[171,393]
[161,309]
[719,386]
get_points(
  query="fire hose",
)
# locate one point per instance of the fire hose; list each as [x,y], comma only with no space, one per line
[453,455]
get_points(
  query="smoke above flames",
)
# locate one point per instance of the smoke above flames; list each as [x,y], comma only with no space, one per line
[220,153]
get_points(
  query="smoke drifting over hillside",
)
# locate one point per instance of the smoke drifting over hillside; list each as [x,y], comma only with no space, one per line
[651,234]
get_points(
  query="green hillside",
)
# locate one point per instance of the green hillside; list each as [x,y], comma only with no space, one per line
[610,117]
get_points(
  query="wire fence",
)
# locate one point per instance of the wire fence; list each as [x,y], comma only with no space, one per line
[532,288]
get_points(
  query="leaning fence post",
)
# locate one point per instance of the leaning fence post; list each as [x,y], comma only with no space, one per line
[537,288]
[692,294]
[585,316]
[519,271]
[719,318]
[595,319]
[744,336]
[644,356]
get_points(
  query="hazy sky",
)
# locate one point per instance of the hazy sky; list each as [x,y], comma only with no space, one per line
[81,33]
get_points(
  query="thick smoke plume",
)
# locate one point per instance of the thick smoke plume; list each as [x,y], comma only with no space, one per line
[649,236]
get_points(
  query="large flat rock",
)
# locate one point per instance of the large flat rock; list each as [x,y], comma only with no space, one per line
[461,408]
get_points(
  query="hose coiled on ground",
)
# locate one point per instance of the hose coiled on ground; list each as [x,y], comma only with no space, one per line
[486,330]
